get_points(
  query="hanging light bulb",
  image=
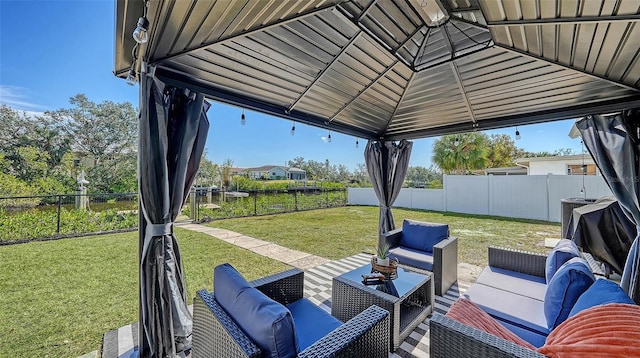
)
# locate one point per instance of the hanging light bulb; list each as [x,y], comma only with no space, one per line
[243,118]
[357,144]
[131,77]
[456,141]
[518,133]
[329,137]
[141,34]
[293,129]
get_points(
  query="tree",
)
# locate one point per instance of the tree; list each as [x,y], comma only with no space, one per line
[33,147]
[461,153]
[297,162]
[225,173]
[107,133]
[208,172]
[422,177]
[502,151]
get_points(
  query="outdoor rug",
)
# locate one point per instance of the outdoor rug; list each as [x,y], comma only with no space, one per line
[121,343]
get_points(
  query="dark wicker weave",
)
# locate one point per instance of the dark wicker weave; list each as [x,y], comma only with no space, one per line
[519,261]
[449,338]
[215,334]
[445,259]
[349,298]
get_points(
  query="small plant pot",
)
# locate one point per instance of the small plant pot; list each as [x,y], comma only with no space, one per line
[382,262]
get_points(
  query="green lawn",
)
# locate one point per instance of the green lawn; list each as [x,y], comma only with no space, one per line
[57,298]
[341,232]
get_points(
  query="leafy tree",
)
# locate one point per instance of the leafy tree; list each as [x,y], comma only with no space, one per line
[422,177]
[502,151]
[208,172]
[297,162]
[104,129]
[34,147]
[106,133]
[461,153]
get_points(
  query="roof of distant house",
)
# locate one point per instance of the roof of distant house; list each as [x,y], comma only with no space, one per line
[557,158]
[266,168]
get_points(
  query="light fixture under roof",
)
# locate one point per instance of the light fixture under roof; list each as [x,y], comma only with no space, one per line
[432,12]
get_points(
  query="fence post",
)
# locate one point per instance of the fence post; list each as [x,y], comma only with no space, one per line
[255,203]
[59,209]
[295,198]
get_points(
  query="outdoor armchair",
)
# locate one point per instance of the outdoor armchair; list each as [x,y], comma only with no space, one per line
[223,324]
[426,246]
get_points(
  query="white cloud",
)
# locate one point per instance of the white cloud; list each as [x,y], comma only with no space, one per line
[325,139]
[18,98]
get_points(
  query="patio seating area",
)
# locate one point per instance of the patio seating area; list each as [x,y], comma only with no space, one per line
[317,288]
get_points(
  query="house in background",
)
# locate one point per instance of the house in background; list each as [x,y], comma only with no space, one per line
[274,172]
[559,165]
[501,171]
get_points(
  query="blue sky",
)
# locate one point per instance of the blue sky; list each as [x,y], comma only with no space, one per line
[51,50]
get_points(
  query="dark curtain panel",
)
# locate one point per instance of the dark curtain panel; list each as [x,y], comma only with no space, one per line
[173,131]
[387,164]
[613,141]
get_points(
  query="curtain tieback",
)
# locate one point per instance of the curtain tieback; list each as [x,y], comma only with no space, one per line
[159,229]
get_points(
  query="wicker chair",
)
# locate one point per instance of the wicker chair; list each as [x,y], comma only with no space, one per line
[443,261]
[215,334]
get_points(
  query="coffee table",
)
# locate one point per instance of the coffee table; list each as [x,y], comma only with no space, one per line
[408,298]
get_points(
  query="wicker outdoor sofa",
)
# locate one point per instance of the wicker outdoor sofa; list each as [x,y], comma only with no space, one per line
[216,334]
[449,338]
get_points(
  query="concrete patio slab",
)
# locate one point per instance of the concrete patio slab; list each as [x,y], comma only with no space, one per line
[246,242]
[279,253]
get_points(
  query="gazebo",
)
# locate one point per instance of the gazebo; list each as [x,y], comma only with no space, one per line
[383,70]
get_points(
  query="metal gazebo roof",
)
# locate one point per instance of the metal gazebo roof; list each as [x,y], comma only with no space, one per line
[395,69]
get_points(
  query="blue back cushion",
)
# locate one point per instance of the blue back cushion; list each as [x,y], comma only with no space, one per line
[268,323]
[600,293]
[422,236]
[564,251]
[567,285]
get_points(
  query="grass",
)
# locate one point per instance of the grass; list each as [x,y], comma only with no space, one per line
[341,232]
[59,297]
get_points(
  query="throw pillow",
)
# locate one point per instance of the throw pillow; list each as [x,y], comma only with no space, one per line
[564,251]
[467,312]
[422,236]
[609,330]
[572,280]
[600,293]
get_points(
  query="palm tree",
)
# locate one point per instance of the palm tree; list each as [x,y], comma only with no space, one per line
[461,153]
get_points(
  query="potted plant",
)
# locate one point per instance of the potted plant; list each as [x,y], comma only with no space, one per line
[382,258]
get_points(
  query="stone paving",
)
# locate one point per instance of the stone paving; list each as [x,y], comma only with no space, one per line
[299,259]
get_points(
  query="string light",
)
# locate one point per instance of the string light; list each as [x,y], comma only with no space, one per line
[456,141]
[141,33]
[293,129]
[518,133]
[357,144]
[243,118]
[329,137]
[131,77]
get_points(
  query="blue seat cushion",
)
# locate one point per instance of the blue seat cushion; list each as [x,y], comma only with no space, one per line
[536,339]
[569,282]
[412,257]
[422,236]
[512,308]
[600,293]
[564,251]
[311,322]
[515,282]
[268,323]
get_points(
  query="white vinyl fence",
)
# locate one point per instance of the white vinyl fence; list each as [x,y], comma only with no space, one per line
[517,196]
